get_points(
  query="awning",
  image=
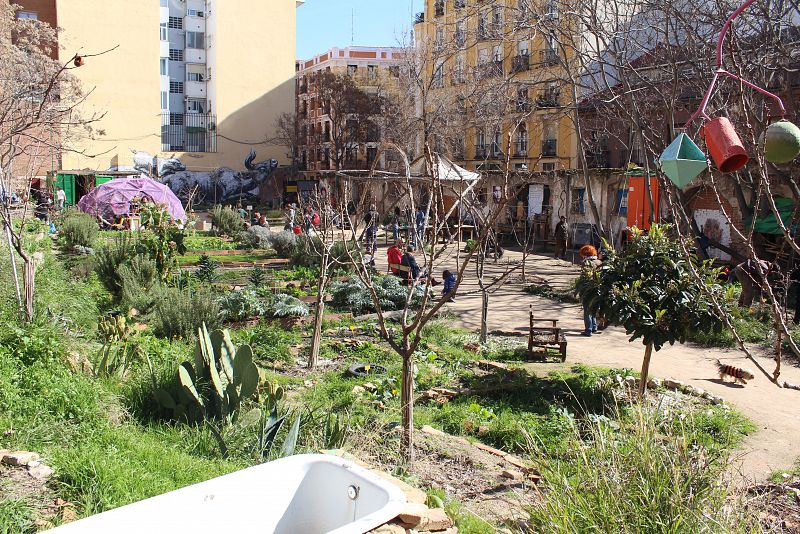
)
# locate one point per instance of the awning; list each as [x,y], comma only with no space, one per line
[767,223]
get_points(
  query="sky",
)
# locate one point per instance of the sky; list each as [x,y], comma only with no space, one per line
[323,24]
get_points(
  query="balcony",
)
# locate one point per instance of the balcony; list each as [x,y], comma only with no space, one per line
[480,152]
[523,105]
[192,132]
[521,150]
[195,89]
[195,55]
[548,101]
[549,148]
[520,63]
[419,18]
[492,68]
[548,57]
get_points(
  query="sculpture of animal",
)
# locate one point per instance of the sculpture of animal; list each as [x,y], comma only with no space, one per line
[738,374]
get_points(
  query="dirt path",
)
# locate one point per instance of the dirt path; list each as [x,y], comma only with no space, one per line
[775,411]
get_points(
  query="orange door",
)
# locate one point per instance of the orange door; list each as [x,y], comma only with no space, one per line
[638,203]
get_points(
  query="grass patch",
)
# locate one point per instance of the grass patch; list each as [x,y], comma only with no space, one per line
[191,259]
[16,517]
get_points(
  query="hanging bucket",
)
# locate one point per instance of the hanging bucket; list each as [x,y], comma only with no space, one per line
[724,144]
[682,161]
[782,143]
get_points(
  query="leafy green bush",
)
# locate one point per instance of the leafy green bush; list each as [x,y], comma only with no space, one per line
[205,242]
[354,296]
[206,269]
[78,229]
[226,221]
[288,306]
[179,313]
[307,252]
[283,243]
[241,305]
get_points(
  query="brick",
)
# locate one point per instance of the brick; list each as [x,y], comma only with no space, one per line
[412,514]
[436,519]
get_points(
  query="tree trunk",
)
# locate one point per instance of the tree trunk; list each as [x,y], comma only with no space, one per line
[648,351]
[14,267]
[407,408]
[316,339]
[484,315]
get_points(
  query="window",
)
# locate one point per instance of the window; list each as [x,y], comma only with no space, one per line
[460,4]
[578,205]
[352,70]
[497,143]
[195,40]
[163,31]
[522,141]
[27,15]
[438,75]
[522,48]
[439,42]
[372,72]
[548,167]
[483,56]
[497,53]
[483,23]
[438,7]
[460,34]
[458,70]
[175,87]
[394,70]
[195,105]
[164,100]
[480,141]
[497,21]
[175,54]
[176,23]
[195,13]
[164,68]
[194,77]
[523,101]
[176,119]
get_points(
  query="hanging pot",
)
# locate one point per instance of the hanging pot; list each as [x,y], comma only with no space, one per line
[724,144]
[682,161]
[782,143]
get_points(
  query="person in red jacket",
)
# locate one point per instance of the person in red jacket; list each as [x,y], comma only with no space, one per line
[395,255]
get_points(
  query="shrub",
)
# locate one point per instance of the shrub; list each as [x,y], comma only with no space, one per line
[226,221]
[288,306]
[284,243]
[255,237]
[269,342]
[206,269]
[355,297]
[241,305]
[306,252]
[110,258]
[78,229]
[137,278]
[179,313]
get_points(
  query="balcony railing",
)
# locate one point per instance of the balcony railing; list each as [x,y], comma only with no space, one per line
[548,56]
[520,63]
[480,152]
[492,68]
[549,148]
[190,132]
[521,150]
[523,105]
[419,18]
[548,101]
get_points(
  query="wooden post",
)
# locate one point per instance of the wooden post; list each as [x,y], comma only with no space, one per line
[316,339]
[485,315]
[648,351]
[407,408]
[530,330]
[778,351]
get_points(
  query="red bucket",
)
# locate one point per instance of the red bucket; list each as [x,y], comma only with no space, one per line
[724,145]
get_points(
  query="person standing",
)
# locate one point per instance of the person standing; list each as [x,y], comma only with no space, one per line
[396,223]
[591,262]
[372,219]
[61,199]
[419,227]
[561,235]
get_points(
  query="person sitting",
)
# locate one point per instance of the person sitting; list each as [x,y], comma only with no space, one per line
[395,257]
[410,261]
[449,289]
[255,221]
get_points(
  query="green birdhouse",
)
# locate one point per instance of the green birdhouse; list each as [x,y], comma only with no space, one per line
[682,161]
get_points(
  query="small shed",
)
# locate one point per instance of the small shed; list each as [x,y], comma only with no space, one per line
[78,183]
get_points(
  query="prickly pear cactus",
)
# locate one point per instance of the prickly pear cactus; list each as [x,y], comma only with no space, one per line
[221,375]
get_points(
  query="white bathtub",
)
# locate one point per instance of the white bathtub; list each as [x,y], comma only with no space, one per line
[303,494]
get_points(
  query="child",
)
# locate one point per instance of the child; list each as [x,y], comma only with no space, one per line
[449,288]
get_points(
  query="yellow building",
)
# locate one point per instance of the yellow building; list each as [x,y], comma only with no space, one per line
[199,80]
[495,59]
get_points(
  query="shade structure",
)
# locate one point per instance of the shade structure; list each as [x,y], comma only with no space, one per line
[113,199]
[682,161]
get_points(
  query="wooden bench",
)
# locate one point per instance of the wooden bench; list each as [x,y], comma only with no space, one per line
[546,337]
[398,267]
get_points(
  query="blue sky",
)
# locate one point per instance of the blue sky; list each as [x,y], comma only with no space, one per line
[322,24]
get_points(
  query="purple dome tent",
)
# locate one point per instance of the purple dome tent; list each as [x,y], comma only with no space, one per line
[112,199]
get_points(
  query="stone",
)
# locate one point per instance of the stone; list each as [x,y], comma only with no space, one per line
[435,519]
[511,474]
[40,471]
[630,381]
[68,514]
[670,383]
[357,390]
[654,383]
[412,514]
[389,528]
[20,458]
[432,431]
[369,386]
